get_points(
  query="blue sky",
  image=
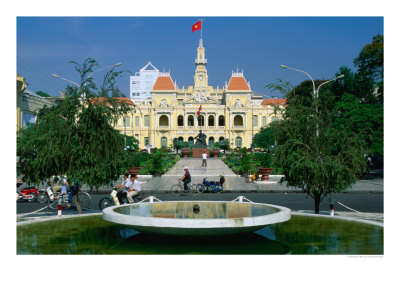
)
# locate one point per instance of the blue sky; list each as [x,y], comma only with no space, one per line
[256,45]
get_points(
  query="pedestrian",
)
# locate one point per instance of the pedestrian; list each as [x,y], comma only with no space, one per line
[204,155]
[134,188]
[186,179]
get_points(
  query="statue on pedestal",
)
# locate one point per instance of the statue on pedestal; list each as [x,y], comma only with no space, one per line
[201,141]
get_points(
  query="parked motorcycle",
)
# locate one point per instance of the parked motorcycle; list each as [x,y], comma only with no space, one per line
[108,201]
[212,186]
[29,193]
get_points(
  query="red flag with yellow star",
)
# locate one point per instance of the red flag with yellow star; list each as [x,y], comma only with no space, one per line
[196,26]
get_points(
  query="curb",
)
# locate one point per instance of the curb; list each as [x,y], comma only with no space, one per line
[244,191]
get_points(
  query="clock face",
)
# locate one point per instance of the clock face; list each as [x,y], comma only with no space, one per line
[201,77]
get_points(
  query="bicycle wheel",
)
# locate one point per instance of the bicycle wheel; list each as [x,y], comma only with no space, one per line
[106,202]
[176,188]
[194,188]
[201,188]
[217,189]
[84,200]
[43,198]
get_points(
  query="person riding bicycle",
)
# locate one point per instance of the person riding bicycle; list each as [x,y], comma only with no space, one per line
[186,179]
[134,188]
[123,187]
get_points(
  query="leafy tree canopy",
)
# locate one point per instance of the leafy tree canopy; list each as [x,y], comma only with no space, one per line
[75,137]
[43,94]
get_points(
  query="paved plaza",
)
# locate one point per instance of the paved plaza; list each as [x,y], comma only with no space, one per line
[235,183]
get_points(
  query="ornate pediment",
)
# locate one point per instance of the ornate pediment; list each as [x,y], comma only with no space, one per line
[200,97]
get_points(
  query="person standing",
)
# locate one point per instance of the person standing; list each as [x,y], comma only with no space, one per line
[204,155]
[134,188]
[186,179]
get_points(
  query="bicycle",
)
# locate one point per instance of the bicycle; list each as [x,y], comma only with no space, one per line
[62,199]
[179,188]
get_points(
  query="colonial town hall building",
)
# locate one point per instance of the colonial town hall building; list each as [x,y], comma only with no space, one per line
[232,112]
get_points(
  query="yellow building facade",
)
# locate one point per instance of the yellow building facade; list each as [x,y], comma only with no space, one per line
[232,112]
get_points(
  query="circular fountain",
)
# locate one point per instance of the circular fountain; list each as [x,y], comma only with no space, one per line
[197,218]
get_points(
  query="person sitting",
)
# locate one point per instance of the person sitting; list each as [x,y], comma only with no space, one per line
[186,179]
[117,197]
[134,188]
[50,192]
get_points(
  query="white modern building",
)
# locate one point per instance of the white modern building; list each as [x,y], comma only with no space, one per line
[143,81]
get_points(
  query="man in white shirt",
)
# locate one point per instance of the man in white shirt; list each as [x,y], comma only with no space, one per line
[204,155]
[134,188]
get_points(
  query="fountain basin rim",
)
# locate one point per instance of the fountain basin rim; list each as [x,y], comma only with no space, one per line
[338,217]
[282,215]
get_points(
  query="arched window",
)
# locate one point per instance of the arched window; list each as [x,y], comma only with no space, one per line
[164,142]
[221,121]
[163,121]
[180,139]
[201,120]
[180,120]
[191,141]
[191,121]
[211,121]
[221,138]
[238,142]
[210,141]
[264,121]
[238,121]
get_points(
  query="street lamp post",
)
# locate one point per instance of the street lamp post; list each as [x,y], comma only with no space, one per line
[90,75]
[315,91]
[58,76]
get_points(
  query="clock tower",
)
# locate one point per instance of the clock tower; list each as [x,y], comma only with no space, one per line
[200,74]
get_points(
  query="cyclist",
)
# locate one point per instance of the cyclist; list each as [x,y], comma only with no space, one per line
[134,188]
[186,179]
[123,188]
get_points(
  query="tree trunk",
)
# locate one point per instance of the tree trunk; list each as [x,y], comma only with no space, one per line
[317,198]
[77,204]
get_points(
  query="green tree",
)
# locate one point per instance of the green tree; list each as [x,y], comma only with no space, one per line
[265,137]
[177,144]
[319,164]
[75,137]
[369,65]
[43,94]
[225,145]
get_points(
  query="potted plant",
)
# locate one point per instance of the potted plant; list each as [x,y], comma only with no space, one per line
[215,149]
[185,149]
[264,164]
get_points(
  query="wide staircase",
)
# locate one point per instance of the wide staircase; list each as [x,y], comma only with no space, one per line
[215,168]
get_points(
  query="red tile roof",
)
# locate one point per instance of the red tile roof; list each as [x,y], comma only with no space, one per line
[274,102]
[164,83]
[238,84]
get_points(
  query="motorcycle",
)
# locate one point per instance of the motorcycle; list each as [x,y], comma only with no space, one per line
[108,201]
[29,193]
[212,186]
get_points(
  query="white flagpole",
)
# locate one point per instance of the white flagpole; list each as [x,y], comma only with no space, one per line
[201,30]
